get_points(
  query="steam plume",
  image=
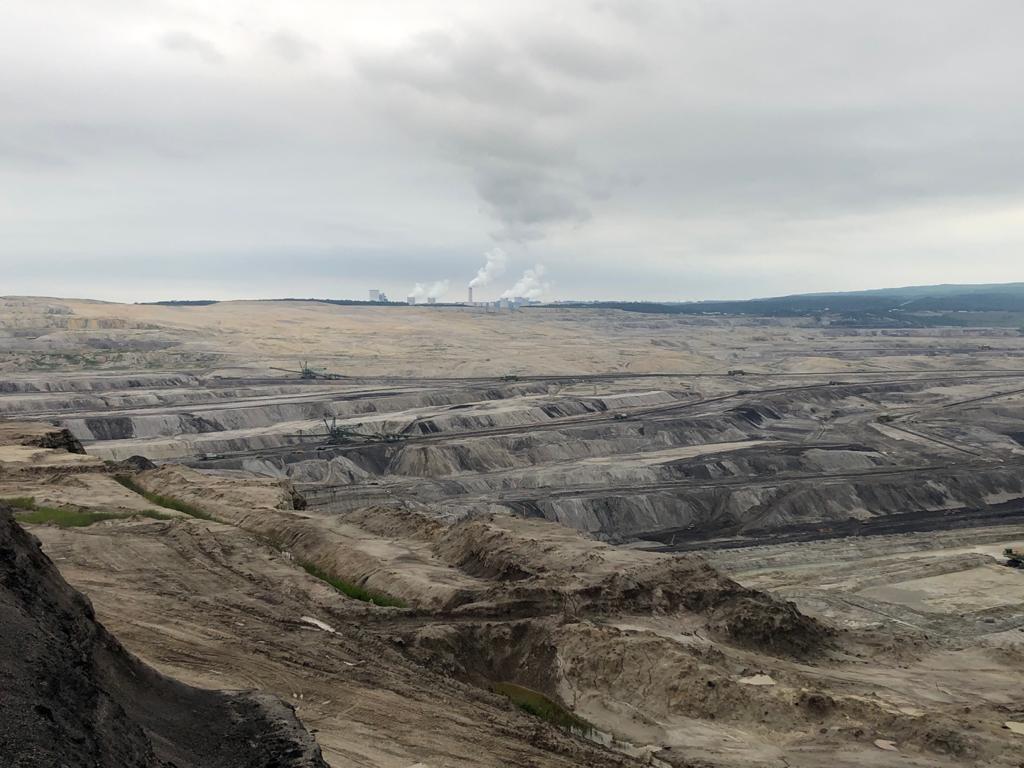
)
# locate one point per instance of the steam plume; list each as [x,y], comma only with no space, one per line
[530,285]
[430,290]
[494,267]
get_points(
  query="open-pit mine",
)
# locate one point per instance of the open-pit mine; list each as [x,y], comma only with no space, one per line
[561,536]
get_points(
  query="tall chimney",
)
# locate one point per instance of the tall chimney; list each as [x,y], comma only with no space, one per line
[471,294]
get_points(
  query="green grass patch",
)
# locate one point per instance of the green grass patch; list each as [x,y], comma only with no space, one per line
[539,705]
[32,514]
[65,518]
[351,590]
[168,502]
[20,502]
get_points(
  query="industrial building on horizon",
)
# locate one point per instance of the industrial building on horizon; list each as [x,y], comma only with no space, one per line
[509,303]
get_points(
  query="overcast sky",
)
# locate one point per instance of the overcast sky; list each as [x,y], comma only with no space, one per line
[675,149]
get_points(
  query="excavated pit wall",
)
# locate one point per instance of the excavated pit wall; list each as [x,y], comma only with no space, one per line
[70,384]
[417,413]
[622,493]
[29,405]
[664,515]
[523,450]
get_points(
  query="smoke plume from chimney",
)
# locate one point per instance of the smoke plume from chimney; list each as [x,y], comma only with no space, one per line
[494,267]
[430,290]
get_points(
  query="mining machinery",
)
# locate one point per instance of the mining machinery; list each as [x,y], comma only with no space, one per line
[306,372]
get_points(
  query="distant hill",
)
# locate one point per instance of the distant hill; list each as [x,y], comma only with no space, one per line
[1001,304]
[946,289]
[182,303]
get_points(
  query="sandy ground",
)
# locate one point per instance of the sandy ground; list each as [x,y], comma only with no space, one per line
[949,584]
[241,616]
[458,342]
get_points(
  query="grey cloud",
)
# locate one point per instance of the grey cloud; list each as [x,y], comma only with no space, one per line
[291,47]
[527,200]
[638,12]
[475,69]
[504,113]
[68,142]
[813,162]
[579,57]
[28,156]
[630,146]
[180,41]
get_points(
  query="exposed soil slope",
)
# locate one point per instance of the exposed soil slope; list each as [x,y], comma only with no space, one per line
[73,696]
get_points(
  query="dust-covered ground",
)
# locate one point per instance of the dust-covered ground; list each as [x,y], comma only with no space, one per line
[524,491]
[68,334]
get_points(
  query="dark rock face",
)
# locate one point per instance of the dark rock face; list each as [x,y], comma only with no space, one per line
[111,427]
[134,464]
[298,501]
[72,696]
[59,439]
